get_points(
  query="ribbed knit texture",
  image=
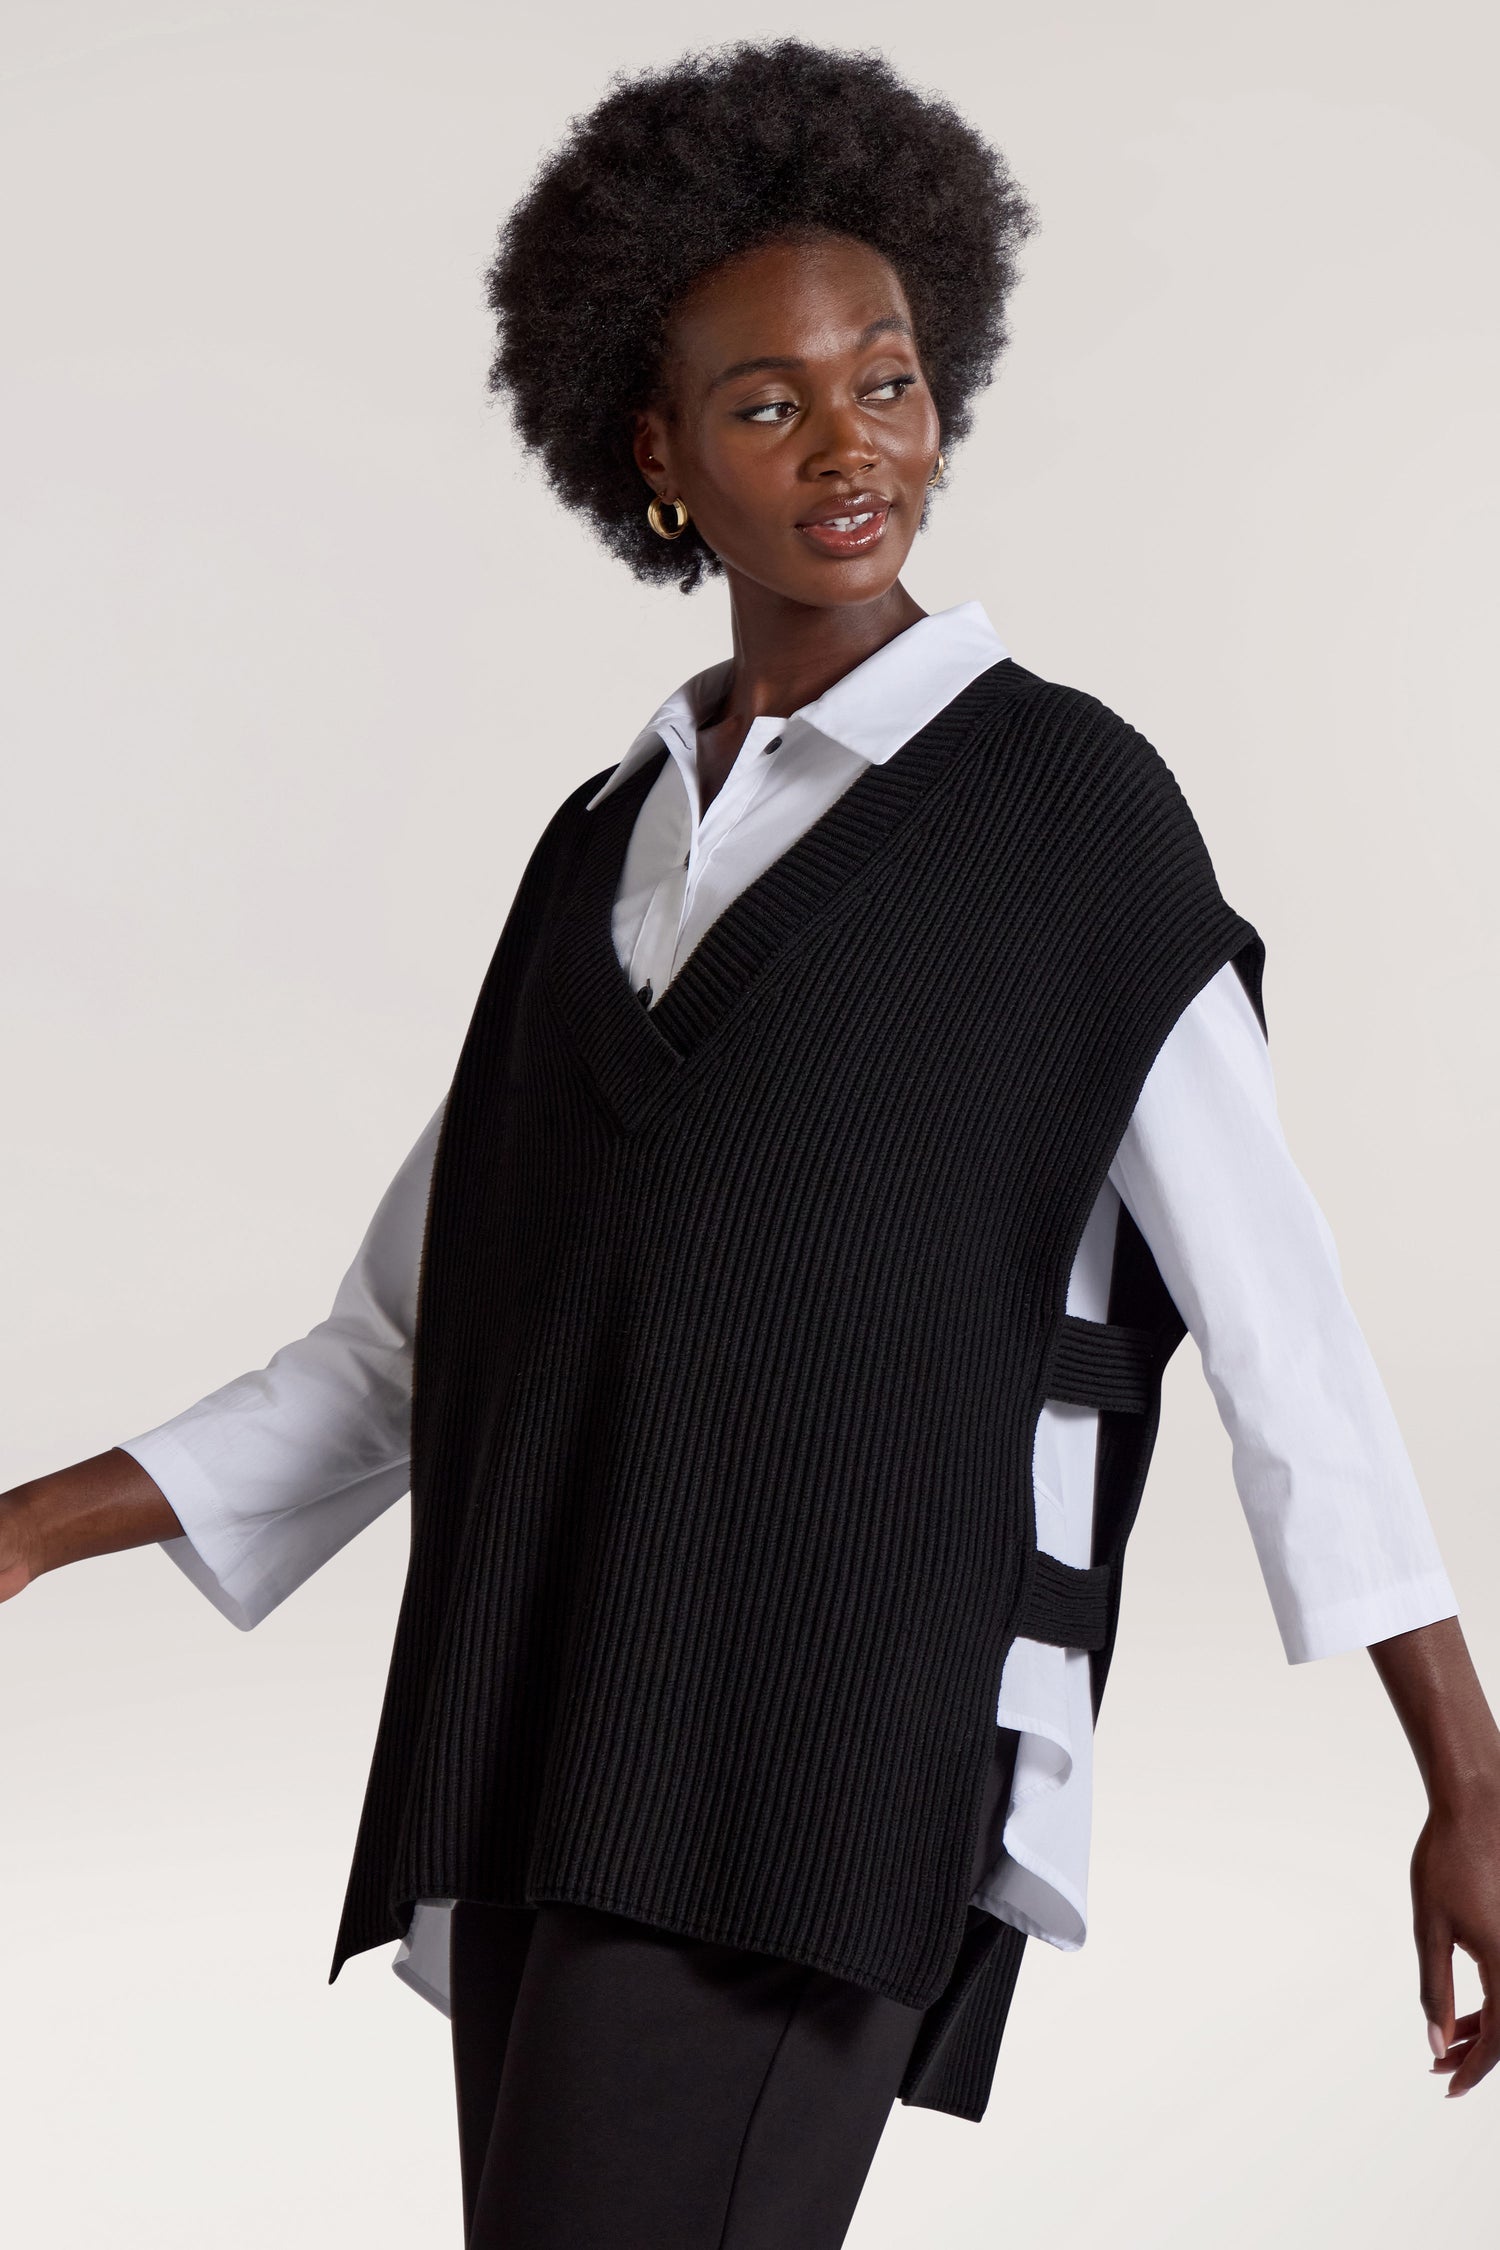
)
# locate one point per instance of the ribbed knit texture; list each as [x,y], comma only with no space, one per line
[953,2061]
[735,1320]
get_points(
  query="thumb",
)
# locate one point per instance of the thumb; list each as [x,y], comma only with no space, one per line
[1435,1957]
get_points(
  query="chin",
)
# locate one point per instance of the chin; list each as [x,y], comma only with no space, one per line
[841,583]
[833,584]
[825,582]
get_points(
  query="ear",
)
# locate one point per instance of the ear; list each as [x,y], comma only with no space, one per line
[652,448]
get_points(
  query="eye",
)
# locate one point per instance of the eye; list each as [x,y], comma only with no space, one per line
[775,407]
[893,387]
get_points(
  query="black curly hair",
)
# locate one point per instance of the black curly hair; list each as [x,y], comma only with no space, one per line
[678,169]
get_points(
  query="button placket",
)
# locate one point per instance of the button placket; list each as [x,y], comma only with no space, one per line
[742,785]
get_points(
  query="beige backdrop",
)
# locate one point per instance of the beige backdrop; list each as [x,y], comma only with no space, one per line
[298,658]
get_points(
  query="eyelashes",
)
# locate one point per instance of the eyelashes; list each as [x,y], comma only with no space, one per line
[898,384]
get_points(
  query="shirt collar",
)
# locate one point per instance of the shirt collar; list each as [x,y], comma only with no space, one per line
[872,710]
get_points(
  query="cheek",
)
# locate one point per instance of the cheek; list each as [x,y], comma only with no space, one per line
[921,432]
[743,477]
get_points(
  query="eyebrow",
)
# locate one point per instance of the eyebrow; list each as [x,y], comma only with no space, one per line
[889,324]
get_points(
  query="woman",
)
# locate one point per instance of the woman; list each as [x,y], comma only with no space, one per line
[868,1091]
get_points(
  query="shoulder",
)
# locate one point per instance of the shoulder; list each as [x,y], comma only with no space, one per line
[567,822]
[1080,742]
[573,811]
[1109,821]
[578,799]
[1080,717]
[1097,796]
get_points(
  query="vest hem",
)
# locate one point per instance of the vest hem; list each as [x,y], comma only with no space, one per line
[712,1932]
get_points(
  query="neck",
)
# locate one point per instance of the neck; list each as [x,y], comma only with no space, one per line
[787,653]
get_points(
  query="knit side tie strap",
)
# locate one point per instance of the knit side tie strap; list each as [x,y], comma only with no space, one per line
[1066,1605]
[1103,1364]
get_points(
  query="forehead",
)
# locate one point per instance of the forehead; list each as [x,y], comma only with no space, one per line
[802,299]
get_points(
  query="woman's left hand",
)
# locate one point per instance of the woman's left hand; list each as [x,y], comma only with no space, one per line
[1455,1869]
[1455,1888]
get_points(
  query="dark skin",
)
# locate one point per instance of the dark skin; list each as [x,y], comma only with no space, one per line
[841,422]
[843,413]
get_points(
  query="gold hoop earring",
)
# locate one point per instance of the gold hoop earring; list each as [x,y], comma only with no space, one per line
[942,463]
[654,518]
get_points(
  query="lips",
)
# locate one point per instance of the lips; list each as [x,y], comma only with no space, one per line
[846,526]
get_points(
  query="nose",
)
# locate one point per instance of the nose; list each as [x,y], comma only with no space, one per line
[843,443]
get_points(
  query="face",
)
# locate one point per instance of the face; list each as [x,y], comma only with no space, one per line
[796,424]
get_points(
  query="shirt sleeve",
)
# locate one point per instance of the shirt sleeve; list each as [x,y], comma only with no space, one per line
[273,1473]
[1340,1529]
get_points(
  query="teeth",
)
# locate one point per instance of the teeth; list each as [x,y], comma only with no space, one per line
[850,523]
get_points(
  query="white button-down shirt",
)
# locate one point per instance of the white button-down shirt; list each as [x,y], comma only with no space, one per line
[272,1474]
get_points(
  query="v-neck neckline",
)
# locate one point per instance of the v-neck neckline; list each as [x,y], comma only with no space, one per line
[636,1053]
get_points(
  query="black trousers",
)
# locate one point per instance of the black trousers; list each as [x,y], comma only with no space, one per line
[621,2087]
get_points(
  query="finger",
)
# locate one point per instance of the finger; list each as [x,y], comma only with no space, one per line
[1477,2063]
[1485,2052]
[1435,1961]
[1467,2027]
[1465,2032]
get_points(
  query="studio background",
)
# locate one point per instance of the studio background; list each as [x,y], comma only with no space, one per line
[298,656]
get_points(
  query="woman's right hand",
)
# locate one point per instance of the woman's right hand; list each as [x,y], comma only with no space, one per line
[95,1507]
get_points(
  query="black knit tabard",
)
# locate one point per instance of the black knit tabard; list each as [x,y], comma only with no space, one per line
[735,1320]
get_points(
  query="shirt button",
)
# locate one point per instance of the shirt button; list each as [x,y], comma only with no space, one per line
[774,744]
[644,995]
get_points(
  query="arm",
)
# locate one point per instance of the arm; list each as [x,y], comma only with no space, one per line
[254,1487]
[1340,1529]
[94,1508]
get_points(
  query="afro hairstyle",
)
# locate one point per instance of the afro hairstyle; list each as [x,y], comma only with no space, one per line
[677,170]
